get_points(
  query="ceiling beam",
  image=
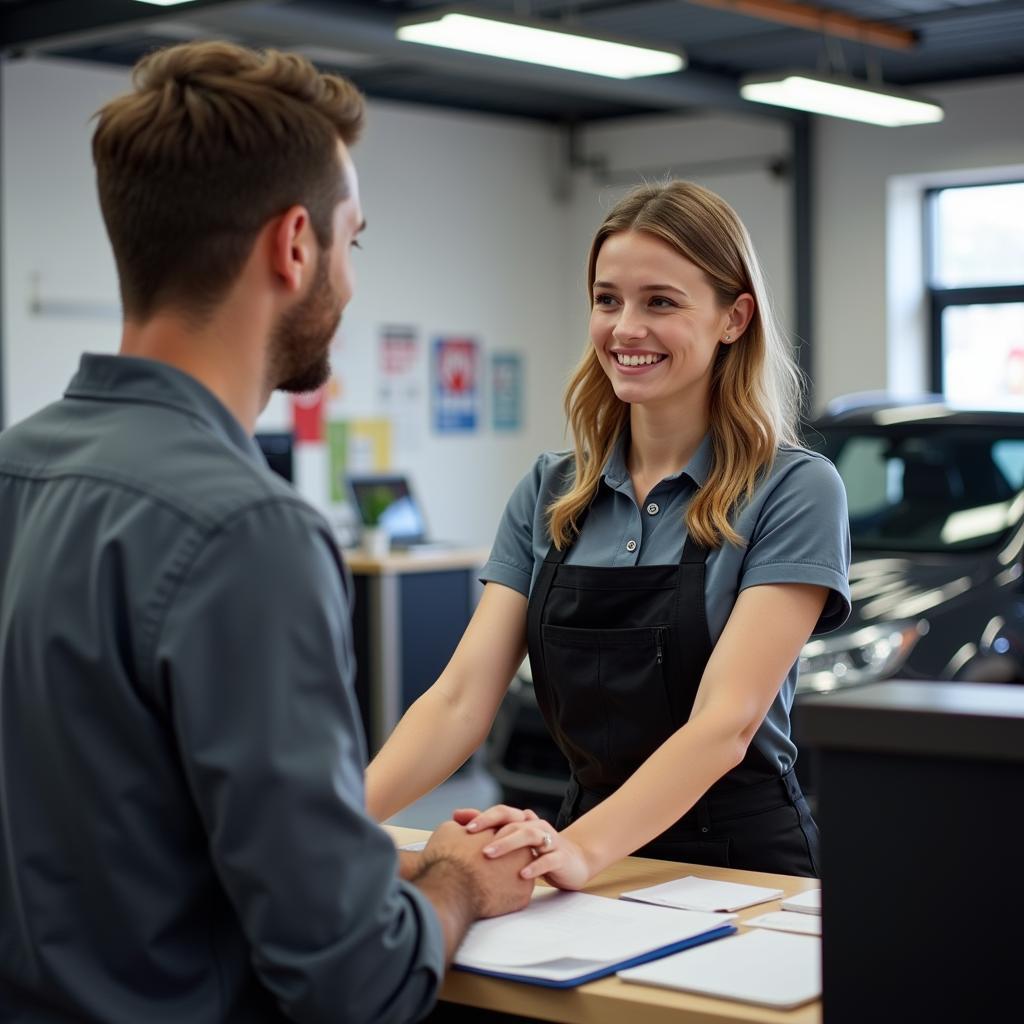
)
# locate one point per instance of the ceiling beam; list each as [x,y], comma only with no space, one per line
[372,32]
[817,19]
[61,23]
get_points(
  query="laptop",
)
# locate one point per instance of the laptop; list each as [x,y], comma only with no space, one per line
[387,499]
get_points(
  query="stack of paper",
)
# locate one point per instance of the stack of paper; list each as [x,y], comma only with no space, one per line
[786,921]
[808,902]
[566,938]
[692,893]
[764,967]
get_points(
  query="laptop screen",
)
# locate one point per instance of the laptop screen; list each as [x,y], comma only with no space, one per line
[388,501]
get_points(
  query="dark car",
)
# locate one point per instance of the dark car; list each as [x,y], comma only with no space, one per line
[936,500]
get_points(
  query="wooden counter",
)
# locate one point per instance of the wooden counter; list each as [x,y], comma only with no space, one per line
[611,1001]
[427,559]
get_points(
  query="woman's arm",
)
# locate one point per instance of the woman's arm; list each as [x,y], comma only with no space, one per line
[768,626]
[451,719]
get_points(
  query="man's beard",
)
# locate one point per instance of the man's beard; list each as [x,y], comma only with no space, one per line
[300,343]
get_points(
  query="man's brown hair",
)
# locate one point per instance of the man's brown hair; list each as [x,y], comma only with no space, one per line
[214,141]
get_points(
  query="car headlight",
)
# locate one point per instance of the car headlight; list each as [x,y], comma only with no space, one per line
[874,652]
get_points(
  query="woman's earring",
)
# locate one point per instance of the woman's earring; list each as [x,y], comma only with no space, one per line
[727,338]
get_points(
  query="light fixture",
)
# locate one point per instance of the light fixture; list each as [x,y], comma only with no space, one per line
[840,96]
[164,3]
[538,42]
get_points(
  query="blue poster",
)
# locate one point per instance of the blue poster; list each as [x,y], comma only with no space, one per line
[456,387]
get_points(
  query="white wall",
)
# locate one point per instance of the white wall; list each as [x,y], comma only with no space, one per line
[464,236]
[869,315]
[475,227]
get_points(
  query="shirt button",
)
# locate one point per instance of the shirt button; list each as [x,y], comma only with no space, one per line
[653,509]
[631,546]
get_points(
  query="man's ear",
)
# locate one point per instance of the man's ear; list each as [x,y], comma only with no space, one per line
[292,247]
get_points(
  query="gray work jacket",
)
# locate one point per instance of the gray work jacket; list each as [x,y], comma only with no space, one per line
[182,829]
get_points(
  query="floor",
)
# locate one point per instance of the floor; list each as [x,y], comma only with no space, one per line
[471,786]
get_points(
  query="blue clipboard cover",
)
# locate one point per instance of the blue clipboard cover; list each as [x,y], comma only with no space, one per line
[565,939]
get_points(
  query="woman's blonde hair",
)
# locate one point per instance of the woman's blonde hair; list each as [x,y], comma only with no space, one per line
[755,384]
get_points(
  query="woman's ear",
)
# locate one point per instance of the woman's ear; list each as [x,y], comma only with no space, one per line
[739,317]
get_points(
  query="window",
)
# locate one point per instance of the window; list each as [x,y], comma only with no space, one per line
[916,487]
[976,287]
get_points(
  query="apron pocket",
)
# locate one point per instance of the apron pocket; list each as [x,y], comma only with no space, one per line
[609,698]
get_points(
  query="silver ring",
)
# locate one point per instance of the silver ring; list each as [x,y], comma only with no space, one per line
[546,842]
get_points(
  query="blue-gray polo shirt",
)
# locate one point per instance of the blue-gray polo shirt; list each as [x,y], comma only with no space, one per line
[795,525]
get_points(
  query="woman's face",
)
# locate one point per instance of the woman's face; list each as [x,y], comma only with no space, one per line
[656,324]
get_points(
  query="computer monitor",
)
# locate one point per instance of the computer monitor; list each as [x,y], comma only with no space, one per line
[387,500]
[277,448]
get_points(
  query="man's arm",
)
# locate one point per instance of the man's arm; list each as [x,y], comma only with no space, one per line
[253,663]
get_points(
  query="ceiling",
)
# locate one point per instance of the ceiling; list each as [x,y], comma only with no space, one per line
[940,40]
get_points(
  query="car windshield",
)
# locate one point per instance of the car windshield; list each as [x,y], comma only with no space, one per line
[915,487]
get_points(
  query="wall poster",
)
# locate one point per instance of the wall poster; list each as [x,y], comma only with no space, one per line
[401,388]
[507,391]
[456,385]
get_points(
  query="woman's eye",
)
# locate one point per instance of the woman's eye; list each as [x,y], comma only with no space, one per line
[603,300]
[661,302]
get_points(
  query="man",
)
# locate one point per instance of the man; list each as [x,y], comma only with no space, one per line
[181,804]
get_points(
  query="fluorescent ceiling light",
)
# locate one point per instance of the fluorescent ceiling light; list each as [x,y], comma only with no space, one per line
[164,3]
[840,97]
[539,43]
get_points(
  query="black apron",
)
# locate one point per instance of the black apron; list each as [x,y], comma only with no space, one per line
[617,655]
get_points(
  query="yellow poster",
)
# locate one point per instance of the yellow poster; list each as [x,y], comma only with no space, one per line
[357,446]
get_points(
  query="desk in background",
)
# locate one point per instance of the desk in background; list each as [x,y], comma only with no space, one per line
[410,612]
[609,1000]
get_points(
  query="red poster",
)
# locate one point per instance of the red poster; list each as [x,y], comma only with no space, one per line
[308,416]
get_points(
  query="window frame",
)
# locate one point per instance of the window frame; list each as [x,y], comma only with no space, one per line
[939,298]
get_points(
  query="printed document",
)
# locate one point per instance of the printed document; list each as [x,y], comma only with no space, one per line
[692,893]
[764,967]
[565,937]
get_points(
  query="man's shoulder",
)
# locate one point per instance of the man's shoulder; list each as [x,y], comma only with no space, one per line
[151,455]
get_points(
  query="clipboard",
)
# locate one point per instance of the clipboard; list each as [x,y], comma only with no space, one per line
[565,939]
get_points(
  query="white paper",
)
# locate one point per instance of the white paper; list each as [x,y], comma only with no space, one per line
[786,921]
[414,846]
[808,902]
[692,893]
[566,934]
[765,967]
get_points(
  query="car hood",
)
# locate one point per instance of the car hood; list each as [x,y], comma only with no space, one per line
[884,588]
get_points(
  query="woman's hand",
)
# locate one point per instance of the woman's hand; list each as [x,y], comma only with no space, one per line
[561,861]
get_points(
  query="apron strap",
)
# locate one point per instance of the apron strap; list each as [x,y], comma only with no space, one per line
[690,608]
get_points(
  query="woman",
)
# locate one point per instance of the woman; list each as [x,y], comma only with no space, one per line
[664,575]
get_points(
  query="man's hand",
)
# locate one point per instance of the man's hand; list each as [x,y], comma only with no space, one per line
[464,885]
[498,885]
[558,859]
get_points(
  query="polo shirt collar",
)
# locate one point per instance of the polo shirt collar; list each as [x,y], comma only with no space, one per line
[615,473]
[129,379]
